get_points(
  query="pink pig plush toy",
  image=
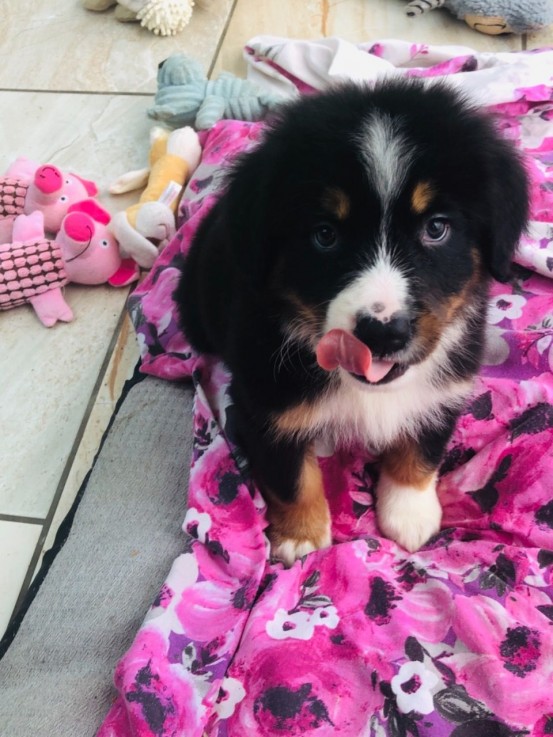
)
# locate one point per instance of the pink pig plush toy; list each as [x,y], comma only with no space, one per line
[27,187]
[35,269]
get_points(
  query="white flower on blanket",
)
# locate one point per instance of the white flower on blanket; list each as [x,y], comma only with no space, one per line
[231,693]
[412,687]
[505,306]
[496,348]
[197,524]
[300,624]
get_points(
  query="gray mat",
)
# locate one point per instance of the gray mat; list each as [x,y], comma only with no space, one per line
[56,677]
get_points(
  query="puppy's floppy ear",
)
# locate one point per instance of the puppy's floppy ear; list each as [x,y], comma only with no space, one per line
[508,199]
[246,208]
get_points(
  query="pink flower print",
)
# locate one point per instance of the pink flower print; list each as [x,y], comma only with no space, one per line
[293,689]
[505,307]
[158,304]
[510,666]
[418,50]
[412,688]
[425,612]
[377,49]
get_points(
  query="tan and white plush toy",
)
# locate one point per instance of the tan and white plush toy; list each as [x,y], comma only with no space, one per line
[145,228]
[162,17]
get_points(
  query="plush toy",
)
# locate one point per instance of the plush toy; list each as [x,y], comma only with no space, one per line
[27,187]
[144,229]
[493,16]
[34,269]
[163,17]
[186,97]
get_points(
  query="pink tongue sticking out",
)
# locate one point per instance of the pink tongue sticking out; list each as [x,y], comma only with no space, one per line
[340,348]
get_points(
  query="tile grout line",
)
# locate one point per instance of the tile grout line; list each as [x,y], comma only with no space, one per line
[222,38]
[99,93]
[47,522]
[22,519]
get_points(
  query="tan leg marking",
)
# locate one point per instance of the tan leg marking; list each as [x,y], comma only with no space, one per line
[298,420]
[408,509]
[304,525]
[404,464]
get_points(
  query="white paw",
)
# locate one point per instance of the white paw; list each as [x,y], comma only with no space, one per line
[408,515]
[289,550]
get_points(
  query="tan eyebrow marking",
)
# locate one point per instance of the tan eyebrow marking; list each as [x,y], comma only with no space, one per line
[337,201]
[421,197]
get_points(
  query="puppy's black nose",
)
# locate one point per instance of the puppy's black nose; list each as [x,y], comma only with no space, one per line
[383,338]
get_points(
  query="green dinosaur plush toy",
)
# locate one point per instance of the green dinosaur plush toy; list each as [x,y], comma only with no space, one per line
[493,16]
[186,97]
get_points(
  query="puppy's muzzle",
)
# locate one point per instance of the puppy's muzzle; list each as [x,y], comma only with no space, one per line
[384,338]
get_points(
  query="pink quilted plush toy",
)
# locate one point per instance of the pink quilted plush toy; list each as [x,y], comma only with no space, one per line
[27,187]
[34,269]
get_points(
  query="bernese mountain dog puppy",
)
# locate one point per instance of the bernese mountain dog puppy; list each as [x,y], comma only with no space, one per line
[342,276]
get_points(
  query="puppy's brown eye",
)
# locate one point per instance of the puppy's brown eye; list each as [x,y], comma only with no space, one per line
[436,230]
[324,237]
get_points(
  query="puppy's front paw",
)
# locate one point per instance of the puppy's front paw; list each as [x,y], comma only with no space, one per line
[292,538]
[406,514]
[289,551]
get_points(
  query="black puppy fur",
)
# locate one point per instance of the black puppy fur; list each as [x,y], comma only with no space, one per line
[338,179]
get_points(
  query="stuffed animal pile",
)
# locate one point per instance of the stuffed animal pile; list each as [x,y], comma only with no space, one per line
[52,232]
[144,229]
[493,17]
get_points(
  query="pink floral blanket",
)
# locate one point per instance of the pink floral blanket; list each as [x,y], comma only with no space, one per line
[362,639]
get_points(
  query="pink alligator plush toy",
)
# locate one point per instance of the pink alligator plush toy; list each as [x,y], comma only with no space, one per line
[27,187]
[34,269]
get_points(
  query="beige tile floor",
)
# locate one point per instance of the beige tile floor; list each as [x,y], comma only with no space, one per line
[74,87]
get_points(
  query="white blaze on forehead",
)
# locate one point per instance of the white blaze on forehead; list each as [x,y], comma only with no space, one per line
[380,290]
[386,153]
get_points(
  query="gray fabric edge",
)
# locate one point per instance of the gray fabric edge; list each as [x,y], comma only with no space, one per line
[56,677]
